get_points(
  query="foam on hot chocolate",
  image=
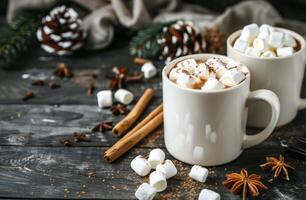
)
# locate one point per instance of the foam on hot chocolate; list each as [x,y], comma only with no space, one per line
[265,41]
[212,74]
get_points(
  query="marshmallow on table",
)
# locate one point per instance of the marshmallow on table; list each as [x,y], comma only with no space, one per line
[185,81]
[207,194]
[284,51]
[124,96]
[145,192]
[251,51]
[260,44]
[156,157]
[104,98]
[167,168]
[212,84]
[149,70]
[268,54]
[232,78]
[249,32]
[141,166]
[276,39]
[289,41]
[198,173]
[240,45]
[158,181]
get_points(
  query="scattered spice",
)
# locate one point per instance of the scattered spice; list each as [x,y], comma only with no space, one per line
[140,61]
[215,40]
[119,109]
[63,71]
[38,83]
[122,77]
[90,89]
[28,96]
[244,183]
[53,85]
[278,166]
[80,137]
[102,127]
[66,142]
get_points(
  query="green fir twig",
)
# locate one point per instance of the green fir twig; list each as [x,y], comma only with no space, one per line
[145,45]
[18,37]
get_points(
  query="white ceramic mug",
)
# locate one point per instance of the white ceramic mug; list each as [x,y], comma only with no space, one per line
[209,128]
[282,75]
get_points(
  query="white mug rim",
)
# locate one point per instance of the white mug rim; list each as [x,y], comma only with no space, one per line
[297,36]
[197,91]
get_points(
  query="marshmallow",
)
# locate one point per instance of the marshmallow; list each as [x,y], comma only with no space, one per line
[266,27]
[264,34]
[233,64]
[149,70]
[260,44]
[202,71]
[167,168]
[241,45]
[158,181]
[249,32]
[174,73]
[145,192]
[124,96]
[188,64]
[289,41]
[215,63]
[156,157]
[284,51]
[251,51]
[207,194]
[104,98]
[141,166]
[232,78]
[212,84]
[221,71]
[185,81]
[268,54]
[276,39]
[198,173]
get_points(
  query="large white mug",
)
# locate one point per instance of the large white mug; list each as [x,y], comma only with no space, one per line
[209,128]
[282,75]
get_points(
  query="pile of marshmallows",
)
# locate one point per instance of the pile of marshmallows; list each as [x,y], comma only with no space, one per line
[213,74]
[105,97]
[165,169]
[265,41]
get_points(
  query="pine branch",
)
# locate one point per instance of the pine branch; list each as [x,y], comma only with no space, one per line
[145,45]
[18,37]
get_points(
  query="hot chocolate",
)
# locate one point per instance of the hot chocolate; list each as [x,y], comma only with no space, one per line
[212,74]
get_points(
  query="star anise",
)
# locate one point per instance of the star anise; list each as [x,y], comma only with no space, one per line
[122,77]
[80,137]
[102,127]
[119,109]
[244,183]
[63,71]
[278,166]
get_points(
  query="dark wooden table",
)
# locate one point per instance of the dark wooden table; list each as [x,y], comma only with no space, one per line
[34,164]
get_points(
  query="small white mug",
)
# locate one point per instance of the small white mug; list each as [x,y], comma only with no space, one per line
[209,128]
[282,75]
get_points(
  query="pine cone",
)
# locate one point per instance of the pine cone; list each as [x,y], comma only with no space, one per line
[61,31]
[179,39]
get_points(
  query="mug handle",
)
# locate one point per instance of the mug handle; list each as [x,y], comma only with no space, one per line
[270,98]
[302,104]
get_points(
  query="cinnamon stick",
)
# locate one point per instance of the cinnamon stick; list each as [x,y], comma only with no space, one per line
[140,61]
[125,144]
[129,120]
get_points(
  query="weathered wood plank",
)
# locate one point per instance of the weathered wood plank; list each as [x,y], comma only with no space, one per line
[45,172]
[45,125]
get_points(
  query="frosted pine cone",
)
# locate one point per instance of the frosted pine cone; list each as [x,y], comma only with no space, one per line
[61,31]
[181,38]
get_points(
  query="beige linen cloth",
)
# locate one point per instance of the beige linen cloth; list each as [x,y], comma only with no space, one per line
[106,16]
